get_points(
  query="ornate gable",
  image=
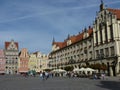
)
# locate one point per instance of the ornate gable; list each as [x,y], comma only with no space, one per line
[11,45]
[24,53]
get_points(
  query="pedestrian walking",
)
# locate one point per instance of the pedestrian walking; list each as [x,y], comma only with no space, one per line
[40,75]
[46,75]
[103,76]
[43,75]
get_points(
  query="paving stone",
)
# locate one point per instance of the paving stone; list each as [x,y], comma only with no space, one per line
[17,82]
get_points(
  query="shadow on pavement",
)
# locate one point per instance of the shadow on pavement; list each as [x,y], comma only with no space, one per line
[111,85]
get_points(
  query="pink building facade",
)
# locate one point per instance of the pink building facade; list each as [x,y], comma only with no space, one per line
[2,62]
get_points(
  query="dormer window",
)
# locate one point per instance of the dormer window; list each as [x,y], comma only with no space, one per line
[85,35]
[69,42]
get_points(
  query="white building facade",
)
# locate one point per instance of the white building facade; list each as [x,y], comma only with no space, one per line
[97,47]
[74,52]
[106,35]
[11,55]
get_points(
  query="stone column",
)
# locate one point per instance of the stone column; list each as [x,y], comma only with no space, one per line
[115,28]
[108,31]
[98,36]
[94,37]
[117,53]
[103,35]
[117,68]
[111,71]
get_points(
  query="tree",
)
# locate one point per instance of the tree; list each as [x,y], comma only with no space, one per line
[103,67]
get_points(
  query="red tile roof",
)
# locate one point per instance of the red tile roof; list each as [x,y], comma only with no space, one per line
[79,37]
[8,43]
[64,44]
[74,39]
[59,44]
[90,31]
[115,11]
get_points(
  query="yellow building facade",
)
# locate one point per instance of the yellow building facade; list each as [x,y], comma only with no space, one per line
[33,62]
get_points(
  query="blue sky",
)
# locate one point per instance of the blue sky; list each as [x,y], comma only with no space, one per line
[34,23]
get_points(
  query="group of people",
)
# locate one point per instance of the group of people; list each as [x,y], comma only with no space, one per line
[99,76]
[44,75]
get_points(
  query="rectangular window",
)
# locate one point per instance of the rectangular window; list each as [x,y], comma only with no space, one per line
[96,38]
[106,52]
[90,54]
[106,36]
[101,53]
[100,29]
[97,54]
[112,51]
[111,32]
[101,37]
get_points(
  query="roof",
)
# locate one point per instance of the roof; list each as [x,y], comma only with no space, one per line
[74,38]
[59,44]
[8,43]
[115,11]
[79,37]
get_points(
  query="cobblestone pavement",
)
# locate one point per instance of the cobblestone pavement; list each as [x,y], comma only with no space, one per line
[55,83]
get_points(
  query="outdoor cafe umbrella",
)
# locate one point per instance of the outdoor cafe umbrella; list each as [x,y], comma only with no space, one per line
[89,69]
[76,69]
[58,71]
[82,69]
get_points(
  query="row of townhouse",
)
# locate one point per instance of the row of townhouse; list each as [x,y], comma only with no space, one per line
[96,45]
[13,61]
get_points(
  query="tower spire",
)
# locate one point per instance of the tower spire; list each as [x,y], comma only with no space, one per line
[102,5]
[53,41]
[101,1]
[68,36]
